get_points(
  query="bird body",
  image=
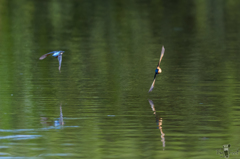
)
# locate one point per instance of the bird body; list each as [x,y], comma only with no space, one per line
[156,71]
[56,53]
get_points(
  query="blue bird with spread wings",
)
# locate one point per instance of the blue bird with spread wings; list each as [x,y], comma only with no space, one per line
[158,69]
[57,54]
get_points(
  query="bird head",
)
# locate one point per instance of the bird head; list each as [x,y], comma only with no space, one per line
[159,70]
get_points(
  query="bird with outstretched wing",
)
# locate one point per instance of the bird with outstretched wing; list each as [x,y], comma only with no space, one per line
[57,54]
[158,69]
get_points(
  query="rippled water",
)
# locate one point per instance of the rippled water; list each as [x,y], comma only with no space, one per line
[99,105]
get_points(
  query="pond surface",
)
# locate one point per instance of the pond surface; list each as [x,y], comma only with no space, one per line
[98,106]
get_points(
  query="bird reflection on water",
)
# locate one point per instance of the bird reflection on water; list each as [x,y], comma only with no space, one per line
[58,122]
[159,122]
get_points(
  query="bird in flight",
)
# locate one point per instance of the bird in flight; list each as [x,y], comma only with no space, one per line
[158,69]
[57,54]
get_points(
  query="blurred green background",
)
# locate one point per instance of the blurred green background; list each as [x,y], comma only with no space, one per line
[111,49]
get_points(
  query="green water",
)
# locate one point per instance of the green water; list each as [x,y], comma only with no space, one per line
[111,49]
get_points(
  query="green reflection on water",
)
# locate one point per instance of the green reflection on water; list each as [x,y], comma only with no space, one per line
[112,48]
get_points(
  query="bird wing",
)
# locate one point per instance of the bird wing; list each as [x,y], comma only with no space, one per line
[151,88]
[45,55]
[152,105]
[155,75]
[162,53]
[60,61]
[61,116]
[150,102]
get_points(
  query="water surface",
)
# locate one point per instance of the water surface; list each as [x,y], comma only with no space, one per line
[99,105]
